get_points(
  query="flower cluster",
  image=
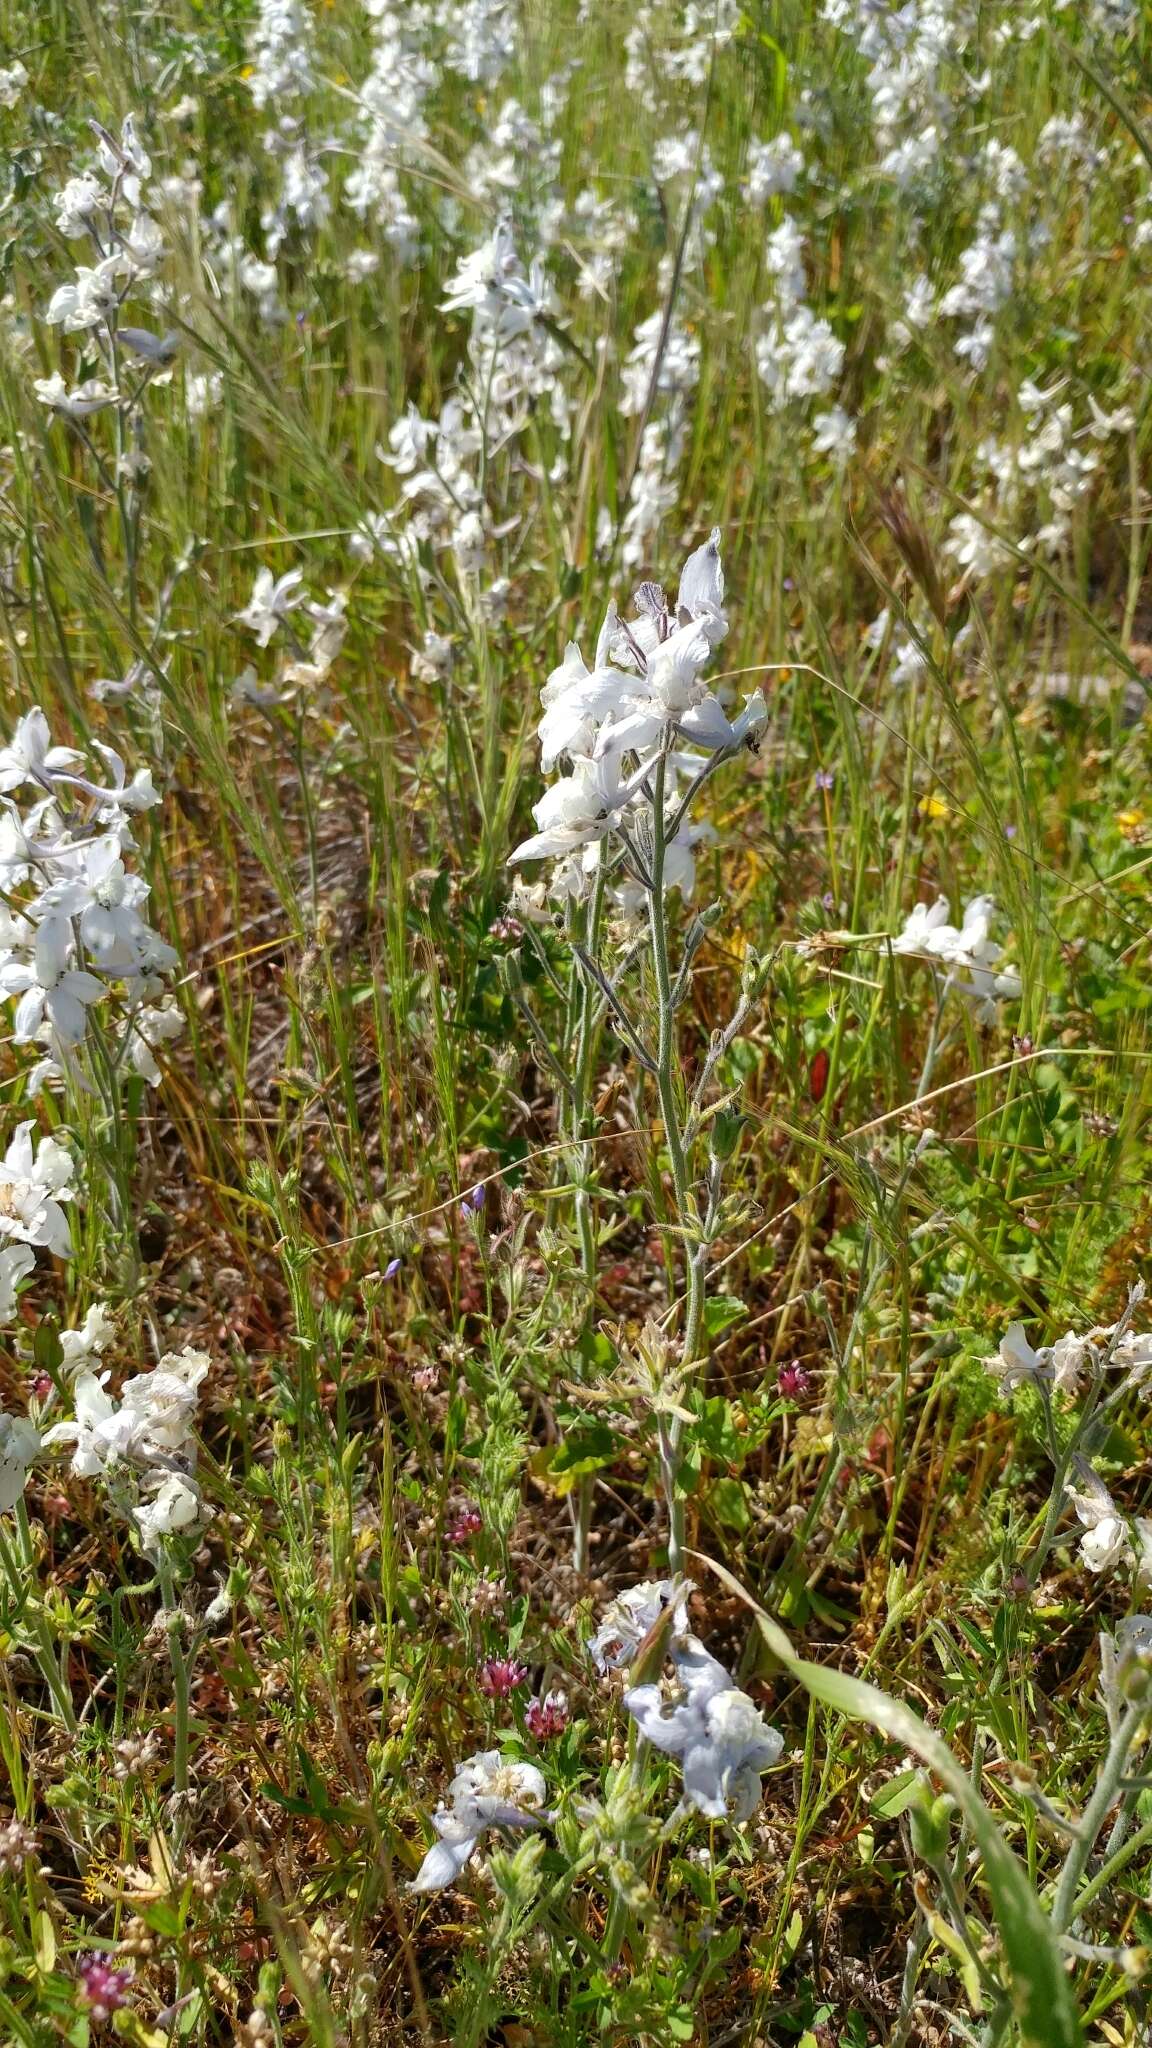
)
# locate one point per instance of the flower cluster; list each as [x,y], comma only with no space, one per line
[73,928]
[614,721]
[142,1445]
[967,951]
[719,1736]
[104,208]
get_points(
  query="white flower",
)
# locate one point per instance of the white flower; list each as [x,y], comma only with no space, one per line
[102,1433]
[581,807]
[32,1190]
[12,83]
[30,755]
[16,1262]
[50,987]
[773,167]
[79,1347]
[77,403]
[627,1620]
[75,205]
[273,597]
[151,1026]
[720,1736]
[19,1443]
[486,1792]
[834,434]
[88,302]
[1015,1362]
[1106,1542]
[151,1425]
[175,1504]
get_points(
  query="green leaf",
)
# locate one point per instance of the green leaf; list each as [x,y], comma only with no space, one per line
[897,1795]
[721,1312]
[1042,1996]
[728,1502]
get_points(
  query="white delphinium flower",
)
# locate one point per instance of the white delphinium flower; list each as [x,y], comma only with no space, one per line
[203,391]
[583,806]
[720,1737]
[784,262]
[834,434]
[1014,1363]
[486,1792]
[672,359]
[966,949]
[773,167]
[273,598]
[1106,1541]
[33,1185]
[16,1262]
[149,1027]
[77,402]
[150,1424]
[13,79]
[977,551]
[492,284]
[280,48]
[79,1347]
[19,1444]
[172,1502]
[629,1618]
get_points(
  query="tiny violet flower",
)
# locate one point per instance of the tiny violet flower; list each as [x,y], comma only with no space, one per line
[392,1268]
[467,1522]
[547,1718]
[102,1987]
[501,1676]
[793,1381]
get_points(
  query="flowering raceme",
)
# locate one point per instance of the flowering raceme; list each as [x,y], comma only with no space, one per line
[614,720]
[73,927]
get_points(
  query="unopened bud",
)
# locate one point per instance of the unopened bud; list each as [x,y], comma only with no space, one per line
[724,1134]
[509,971]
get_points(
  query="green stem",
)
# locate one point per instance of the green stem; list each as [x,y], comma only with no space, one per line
[181,1688]
[1066,1905]
[666,1061]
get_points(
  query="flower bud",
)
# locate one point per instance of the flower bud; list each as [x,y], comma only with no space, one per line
[724,1134]
[930,1820]
[508,969]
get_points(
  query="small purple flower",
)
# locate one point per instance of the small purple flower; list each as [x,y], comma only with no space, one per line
[547,1718]
[1009,831]
[825,778]
[828,900]
[788,583]
[500,1676]
[468,1522]
[793,1381]
[392,1268]
[103,1988]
